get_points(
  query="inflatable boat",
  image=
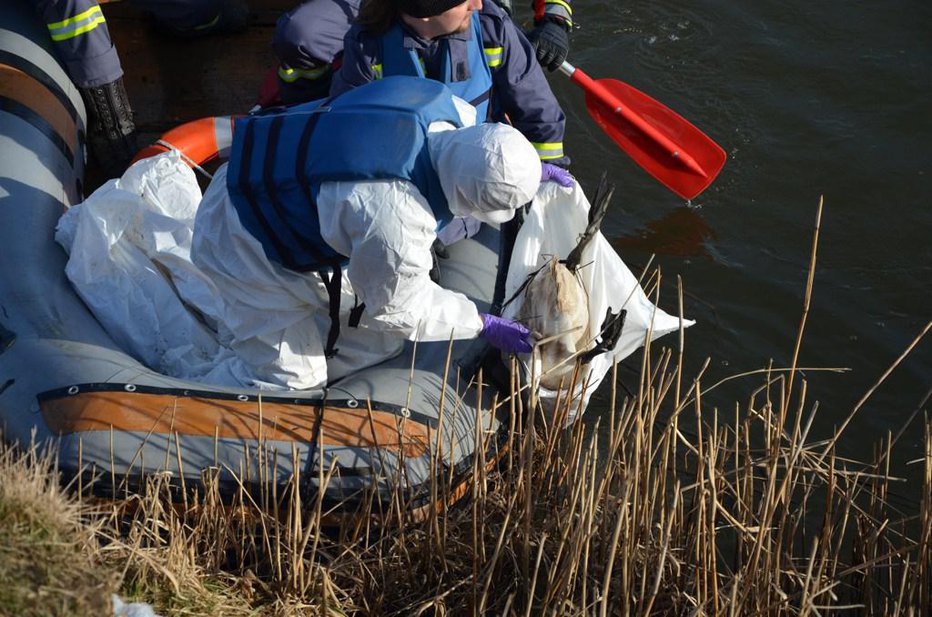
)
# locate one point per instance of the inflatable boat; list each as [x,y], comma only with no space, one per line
[386,431]
[409,431]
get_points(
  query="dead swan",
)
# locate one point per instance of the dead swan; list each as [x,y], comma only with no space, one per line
[555,307]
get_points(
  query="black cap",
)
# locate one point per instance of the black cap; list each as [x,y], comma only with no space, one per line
[426,8]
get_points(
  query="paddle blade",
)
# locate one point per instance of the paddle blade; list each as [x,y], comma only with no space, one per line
[685,178]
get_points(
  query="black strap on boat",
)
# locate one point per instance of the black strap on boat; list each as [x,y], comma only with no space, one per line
[39,123]
[315,449]
[33,70]
[355,313]
[332,281]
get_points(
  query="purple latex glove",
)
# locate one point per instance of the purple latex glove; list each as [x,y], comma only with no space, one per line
[556,173]
[504,334]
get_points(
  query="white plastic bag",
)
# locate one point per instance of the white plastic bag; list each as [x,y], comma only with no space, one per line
[129,260]
[131,609]
[552,228]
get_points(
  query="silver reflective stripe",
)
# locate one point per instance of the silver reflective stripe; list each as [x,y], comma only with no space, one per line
[77,25]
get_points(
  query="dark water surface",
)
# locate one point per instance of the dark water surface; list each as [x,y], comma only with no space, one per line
[828,99]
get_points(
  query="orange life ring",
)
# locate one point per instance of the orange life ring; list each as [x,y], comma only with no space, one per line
[199,141]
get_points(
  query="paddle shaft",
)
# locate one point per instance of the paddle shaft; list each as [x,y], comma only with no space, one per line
[625,114]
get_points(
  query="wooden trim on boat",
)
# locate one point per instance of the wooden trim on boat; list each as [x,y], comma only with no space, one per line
[233,419]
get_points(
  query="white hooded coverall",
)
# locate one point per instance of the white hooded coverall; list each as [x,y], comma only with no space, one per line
[276,320]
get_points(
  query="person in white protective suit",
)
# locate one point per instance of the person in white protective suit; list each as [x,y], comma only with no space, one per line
[276,306]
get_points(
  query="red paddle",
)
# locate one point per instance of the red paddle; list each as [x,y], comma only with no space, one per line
[666,145]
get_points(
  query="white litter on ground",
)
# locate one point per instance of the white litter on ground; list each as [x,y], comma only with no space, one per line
[133,609]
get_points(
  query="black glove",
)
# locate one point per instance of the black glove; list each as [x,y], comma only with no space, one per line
[552,43]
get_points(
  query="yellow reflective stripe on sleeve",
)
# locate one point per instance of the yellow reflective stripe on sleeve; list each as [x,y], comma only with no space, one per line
[290,76]
[493,56]
[377,71]
[549,151]
[77,25]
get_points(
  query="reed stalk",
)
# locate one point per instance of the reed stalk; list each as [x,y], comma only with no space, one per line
[666,505]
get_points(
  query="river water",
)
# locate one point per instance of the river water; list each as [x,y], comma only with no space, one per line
[810,100]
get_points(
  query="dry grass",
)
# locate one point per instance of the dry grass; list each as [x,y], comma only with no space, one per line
[47,564]
[663,507]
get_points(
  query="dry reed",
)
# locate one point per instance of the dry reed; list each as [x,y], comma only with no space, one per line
[750,514]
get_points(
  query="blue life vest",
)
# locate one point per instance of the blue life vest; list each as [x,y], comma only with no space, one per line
[475,88]
[279,160]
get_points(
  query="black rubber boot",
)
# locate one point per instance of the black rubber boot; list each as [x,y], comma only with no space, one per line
[111,132]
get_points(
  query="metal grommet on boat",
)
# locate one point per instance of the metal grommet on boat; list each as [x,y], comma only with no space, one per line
[352,403]
[130,387]
[405,412]
[242,397]
[74,390]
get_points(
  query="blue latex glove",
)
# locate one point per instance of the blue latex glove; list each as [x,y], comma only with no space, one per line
[551,42]
[504,334]
[557,174]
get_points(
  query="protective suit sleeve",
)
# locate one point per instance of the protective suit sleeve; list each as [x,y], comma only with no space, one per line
[386,229]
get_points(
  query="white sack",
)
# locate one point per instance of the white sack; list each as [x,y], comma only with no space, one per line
[552,227]
[129,260]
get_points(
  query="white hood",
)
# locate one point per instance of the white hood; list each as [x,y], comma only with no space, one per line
[486,171]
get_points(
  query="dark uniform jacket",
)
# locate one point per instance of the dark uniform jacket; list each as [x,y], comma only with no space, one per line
[520,90]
